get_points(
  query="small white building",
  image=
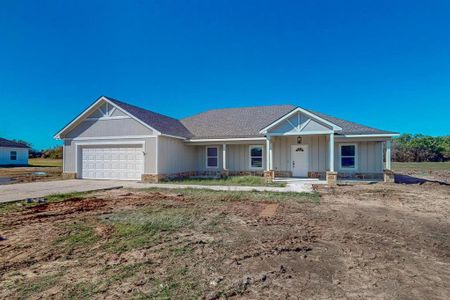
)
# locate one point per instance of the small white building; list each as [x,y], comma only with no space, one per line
[13,153]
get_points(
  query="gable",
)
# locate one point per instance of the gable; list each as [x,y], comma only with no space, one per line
[104,119]
[299,123]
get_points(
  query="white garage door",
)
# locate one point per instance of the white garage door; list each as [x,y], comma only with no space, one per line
[112,162]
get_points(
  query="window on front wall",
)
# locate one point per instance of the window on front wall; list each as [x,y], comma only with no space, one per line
[13,155]
[212,157]
[256,157]
[348,156]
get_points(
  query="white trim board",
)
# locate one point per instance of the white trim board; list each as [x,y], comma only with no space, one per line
[206,157]
[356,156]
[369,135]
[301,133]
[250,157]
[226,140]
[110,137]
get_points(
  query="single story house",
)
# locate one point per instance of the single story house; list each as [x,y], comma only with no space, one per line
[115,140]
[13,153]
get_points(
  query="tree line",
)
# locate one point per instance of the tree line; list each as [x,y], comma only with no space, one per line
[420,148]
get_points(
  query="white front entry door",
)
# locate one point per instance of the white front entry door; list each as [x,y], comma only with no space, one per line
[299,160]
[112,162]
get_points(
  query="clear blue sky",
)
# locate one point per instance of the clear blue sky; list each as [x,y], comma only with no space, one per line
[385,64]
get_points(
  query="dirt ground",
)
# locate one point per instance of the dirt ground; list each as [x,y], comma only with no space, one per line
[380,241]
[27,174]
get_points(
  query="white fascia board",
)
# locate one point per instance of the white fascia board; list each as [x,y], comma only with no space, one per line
[110,137]
[302,133]
[173,136]
[226,140]
[299,109]
[102,98]
[370,135]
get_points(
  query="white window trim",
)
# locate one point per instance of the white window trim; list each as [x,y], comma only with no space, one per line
[250,157]
[11,154]
[217,156]
[356,157]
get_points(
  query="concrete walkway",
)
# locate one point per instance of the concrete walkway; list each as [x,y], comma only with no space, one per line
[298,186]
[20,191]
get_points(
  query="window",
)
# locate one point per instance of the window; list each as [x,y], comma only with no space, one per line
[348,156]
[13,155]
[256,157]
[212,157]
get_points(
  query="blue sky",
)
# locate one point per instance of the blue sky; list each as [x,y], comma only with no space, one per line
[381,63]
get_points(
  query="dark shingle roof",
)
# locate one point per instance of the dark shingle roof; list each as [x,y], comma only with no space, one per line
[12,144]
[162,123]
[351,127]
[248,121]
[234,122]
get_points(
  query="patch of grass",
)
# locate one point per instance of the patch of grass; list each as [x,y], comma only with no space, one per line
[139,228]
[79,235]
[232,180]
[38,285]
[421,166]
[45,162]
[66,196]
[211,195]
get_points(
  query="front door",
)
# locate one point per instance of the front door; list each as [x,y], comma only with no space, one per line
[299,160]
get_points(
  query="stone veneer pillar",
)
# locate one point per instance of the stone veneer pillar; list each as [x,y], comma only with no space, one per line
[66,176]
[389,176]
[332,178]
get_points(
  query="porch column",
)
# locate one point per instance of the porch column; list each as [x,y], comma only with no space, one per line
[268,153]
[224,156]
[331,152]
[388,155]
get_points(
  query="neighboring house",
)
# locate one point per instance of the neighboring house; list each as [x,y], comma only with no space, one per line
[13,153]
[115,140]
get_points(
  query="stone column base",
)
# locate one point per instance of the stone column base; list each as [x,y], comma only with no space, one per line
[269,176]
[389,176]
[332,178]
[66,176]
[153,178]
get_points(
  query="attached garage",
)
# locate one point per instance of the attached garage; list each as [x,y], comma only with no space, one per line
[122,162]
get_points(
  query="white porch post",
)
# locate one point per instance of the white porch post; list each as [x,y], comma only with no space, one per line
[388,155]
[268,153]
[224,156]
[331,152]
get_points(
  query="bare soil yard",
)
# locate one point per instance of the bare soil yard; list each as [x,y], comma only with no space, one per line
[355,241]
[38,170]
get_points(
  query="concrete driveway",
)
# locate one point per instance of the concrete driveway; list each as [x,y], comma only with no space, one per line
[20,191]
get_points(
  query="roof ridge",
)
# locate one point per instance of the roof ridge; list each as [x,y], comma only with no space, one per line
[235,108]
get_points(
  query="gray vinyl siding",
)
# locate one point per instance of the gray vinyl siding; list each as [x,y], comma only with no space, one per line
[238,158]
[318,153]
[69,157]
[369,160]
[108,128]
[174,156]
[201,158]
